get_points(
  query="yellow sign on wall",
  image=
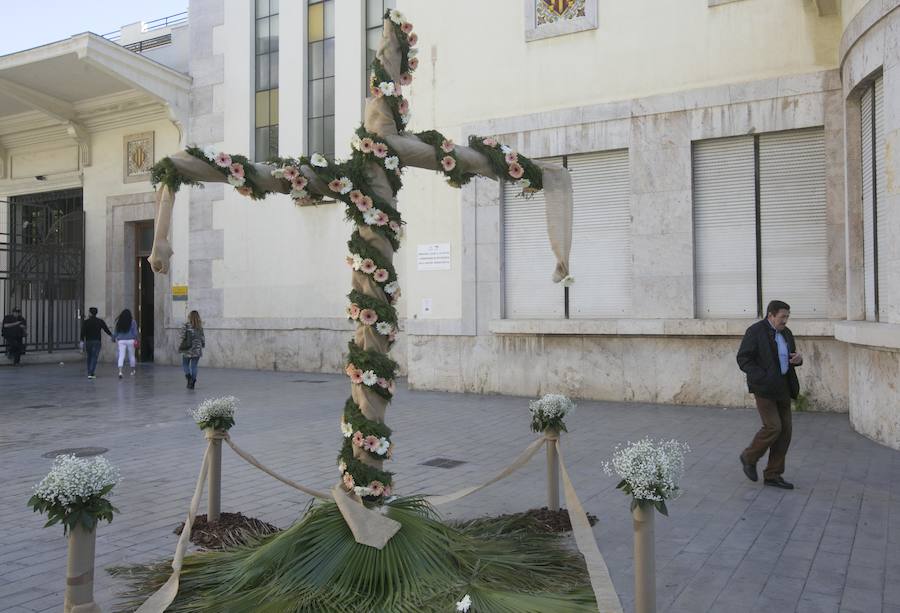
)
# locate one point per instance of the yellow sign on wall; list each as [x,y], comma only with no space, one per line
[179,292]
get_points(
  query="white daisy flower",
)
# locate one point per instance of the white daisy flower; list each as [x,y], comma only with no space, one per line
[387,88]
[346,429]
[370,378]
[210,152]
[397,17]
[391,287]
[319,160]
[384,328]
[463,605]
[236,181]
[391,162]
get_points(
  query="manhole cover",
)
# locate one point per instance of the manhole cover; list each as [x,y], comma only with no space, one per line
[78,452]
[41,406]
[309,381]
[442,463]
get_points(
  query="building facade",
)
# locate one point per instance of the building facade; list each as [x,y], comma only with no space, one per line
[723,153]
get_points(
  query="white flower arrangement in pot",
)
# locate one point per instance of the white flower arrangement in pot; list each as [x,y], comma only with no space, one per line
[650,471]
[548,412]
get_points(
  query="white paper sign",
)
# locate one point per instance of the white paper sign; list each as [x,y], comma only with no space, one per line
[433,257]
[426,306]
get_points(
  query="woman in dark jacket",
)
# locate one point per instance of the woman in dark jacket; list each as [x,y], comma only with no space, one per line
[191,347]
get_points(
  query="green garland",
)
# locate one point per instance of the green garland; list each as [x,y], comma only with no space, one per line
[354,415]
[384,310]
[490,148]
[393,174]
[455,175]
[362,473]
[165,173]
[358,246]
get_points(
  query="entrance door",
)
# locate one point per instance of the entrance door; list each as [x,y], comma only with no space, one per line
[144,280]
[42,266]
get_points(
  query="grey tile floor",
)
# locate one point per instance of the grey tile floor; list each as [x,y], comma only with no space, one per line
[729,545]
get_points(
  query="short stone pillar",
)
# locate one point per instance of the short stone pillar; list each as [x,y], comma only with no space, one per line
[644,559]
[214,476]
[80,572]
[552,437]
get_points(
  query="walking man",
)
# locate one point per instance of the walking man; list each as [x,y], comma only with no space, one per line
[14,334]
[769,355]
[90,336]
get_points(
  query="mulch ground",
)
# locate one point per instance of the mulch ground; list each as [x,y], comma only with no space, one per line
[231,529]
[551,521]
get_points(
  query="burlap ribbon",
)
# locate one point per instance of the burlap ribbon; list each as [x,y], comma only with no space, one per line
[254,462]
[164,596]
[601,582]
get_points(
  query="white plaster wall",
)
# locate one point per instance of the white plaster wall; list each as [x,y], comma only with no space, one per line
[104,178]
[873,392]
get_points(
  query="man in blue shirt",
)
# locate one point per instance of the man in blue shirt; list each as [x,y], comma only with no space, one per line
[768,355]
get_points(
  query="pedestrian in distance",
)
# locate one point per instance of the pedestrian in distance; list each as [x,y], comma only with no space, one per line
[14,331]
[191,347]
[125,336]
[91,329]
[768,355]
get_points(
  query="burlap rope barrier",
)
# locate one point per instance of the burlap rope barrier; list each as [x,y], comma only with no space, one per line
[254,462]
[164,596]
[601,582]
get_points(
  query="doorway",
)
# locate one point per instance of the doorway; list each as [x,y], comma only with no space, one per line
[143,289]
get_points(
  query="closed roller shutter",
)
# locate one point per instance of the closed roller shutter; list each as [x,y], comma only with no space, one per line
[601,259]
[881,222]
[724,197]
[794,248]
[528,262]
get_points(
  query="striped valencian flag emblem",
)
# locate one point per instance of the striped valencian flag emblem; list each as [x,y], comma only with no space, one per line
[558,6]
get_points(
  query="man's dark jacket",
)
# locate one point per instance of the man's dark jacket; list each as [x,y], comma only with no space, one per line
[758,357]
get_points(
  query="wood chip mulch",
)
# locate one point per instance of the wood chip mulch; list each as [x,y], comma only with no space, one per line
[232,529]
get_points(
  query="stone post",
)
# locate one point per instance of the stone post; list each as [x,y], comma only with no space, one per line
[644,560]
[552,437]
[80,572]
[214,505]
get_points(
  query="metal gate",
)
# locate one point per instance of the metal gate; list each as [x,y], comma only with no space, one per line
[42,266]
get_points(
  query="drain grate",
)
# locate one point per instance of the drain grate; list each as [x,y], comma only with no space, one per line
[41,406]
[309,381]
[442,463]
[78,452]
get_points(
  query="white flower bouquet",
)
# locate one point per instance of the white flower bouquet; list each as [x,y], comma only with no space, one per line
[650,471]
[216,413]
[74,492]
[548,412]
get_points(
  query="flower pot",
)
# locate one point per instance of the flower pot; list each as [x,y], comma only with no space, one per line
[80,572]
[644,559]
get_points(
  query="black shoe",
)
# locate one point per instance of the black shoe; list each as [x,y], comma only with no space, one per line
[191,383]
[779,482]
[188,379]
[749,469]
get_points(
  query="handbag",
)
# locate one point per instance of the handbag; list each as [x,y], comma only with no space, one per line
[187,341]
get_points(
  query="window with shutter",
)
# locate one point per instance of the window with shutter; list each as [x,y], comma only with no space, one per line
[528,262]
[794,244]
[600,259]
[868,199]
[725,227]
[880,173]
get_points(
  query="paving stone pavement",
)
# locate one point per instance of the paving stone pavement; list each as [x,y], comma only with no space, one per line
[729,545]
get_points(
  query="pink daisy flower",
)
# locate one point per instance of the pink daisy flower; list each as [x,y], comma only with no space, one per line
[387,488]
[376,92]
[381,275]
[382,382]
[516,171]
[356,196]
[377,488]
[511,157]
[447,146]
[223,160]
[365,145]
[353,311]
[407,27]
[290,173]
[404,106]
[366,204]
[380,150]
[413,39]
[348,481]
[393,225]
[336,185]
[490,142]
[448,163]
[299,182]
[244,191]
[368,316]
[413,63]
[368,266]
[405,78]
[358,438]
[356,376]
[370,443]
[381,218]
[237,170]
